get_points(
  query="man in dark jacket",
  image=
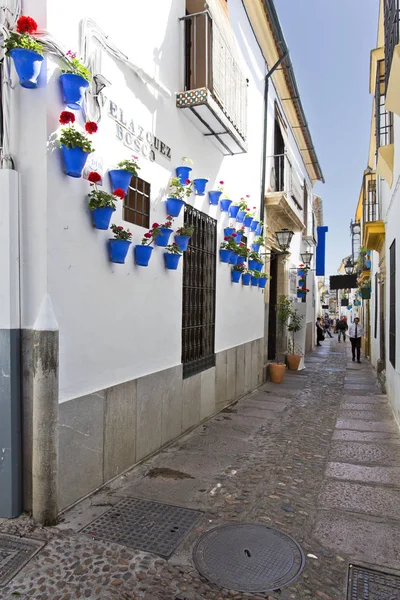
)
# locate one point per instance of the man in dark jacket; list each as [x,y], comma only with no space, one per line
[342,327]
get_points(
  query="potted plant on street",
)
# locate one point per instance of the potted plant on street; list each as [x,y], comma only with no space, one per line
[76,146]
[176,194]
[122,175]
[200,185]
[283,309]
[239,234]
[233,210]
[243,253]
[248,217]
[302,291]
[26,52]
[262,282]
[119,245]
[258,241]
[240,214]
[255,262]
[144,250]
[183,172]
[255,276]
[246,277]
[234,257]
[165,231]
[254,224]
[75,80]
[225,203]
[294,326]
[101,203]
[215,195]
[226,249]
[172,256]
[365,289]
[259,228]
[183,235]
[236,273]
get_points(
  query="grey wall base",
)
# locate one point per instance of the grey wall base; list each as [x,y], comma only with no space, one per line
[105,433]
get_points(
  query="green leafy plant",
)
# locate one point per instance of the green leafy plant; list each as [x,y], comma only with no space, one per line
[177,190]
[149,237]
[186,162]
[185,230]
[229,244]
[295,325]
[240,268]
[100,198]
[253,255]
[259,240]
[120,233]
[256,274]
[130,165]
[22,38]
[76,67]
[173,248]
[71,137]
[265,276]
[366,284]
[242,250]
[283,309]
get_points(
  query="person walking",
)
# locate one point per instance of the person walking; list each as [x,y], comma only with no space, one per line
[320,331]
[356,331]
[327,327]
[342,327]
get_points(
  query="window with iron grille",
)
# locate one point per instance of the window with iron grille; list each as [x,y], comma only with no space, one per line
[198,305]
[392,305]
[137,203]
[370,205]
[383,118]
[391,27]
[376,307]
[305,208]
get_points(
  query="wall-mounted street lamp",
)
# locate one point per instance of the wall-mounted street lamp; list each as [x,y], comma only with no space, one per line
[349,266]
[306,258]
[284,238]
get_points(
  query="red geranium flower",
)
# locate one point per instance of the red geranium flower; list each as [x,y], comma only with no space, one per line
[120,227]
[169,218]
[26,25]
[174,244]
[119,192]
[226,238]
[155,225]
[188,181]
[147,235]
[94,177]
[242,244]
[221,183]
[234,234]
[67,117]
[91,127]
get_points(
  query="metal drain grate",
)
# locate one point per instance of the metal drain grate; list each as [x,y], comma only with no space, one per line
[367,584]
[145,525]
[248,557]
[15,552]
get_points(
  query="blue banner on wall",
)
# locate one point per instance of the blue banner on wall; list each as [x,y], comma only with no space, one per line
[320,252]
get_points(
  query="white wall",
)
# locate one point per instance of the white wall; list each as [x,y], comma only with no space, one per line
[119,322]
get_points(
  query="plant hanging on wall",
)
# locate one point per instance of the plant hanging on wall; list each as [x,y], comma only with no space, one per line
[172,256]
[122,175]
[75,144]
[183,171]
[144,250]
[177,192]
[183,235]
[101,203]
[119,245]
[163,232]
[26,52]
[75,80]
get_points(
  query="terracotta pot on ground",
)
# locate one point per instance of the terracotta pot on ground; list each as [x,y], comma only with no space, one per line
[293,361]
[276,372]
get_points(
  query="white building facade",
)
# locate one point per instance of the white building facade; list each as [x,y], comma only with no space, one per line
[141,354]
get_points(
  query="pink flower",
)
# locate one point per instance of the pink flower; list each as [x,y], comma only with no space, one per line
[71,54]
[234,235]
[247,195]
[221,183]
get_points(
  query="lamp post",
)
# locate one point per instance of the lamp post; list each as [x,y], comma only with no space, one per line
[306,258]
[349,266]
[284,238]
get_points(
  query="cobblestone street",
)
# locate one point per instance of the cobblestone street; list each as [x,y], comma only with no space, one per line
[317,457]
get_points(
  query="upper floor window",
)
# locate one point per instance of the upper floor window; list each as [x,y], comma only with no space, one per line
[370,205]
[136,208]
[391,27]
[383,118]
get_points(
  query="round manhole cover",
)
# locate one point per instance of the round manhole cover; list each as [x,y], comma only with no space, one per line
[248,557]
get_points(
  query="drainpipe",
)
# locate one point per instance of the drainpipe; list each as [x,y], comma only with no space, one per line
[264,150]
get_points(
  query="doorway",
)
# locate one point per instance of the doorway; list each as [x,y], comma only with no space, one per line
[279,154]
[273,300]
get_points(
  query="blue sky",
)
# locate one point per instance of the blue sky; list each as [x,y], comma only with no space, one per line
[330,44]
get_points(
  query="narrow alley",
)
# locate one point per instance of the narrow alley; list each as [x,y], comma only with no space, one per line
[316,457]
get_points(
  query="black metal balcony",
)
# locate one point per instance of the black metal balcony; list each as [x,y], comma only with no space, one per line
[383,118]
[371,211]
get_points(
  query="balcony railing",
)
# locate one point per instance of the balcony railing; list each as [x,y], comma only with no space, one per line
[285,179]
[371,209]
[215,87]
[383,118]
[391,27]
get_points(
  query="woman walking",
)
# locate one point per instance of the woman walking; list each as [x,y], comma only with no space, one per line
[320,331]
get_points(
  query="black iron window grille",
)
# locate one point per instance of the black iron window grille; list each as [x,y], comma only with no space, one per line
[198,304]
[383,118]
[371,210]
[391,27]
[136,208]
[376,306]
[392,305]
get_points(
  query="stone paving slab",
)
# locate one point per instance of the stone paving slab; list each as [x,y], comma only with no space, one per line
[364,453]
[216,445]
[353,399]
[352,435]
[364,474]
[344,495]
[376,413]
[361,425]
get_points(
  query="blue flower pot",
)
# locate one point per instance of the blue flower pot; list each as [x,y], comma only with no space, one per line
[247,221]
[302,282]
[183,173]
[27,64]
[120,179]
[74,159]
[253,225]
[262,282]
[213,197]
[74,87]
[118,250]
[228,231]
[259,229]
[235,276]
[246,277]
[171,260]
[200,186]
[238,238]
[233,211]
[258,266]
[225,255]
[182,241]
[143,255]
[163,238]
[254,281]
[300,272]
[368,264]
[255,247]
[233,258]
[225,204]
[301,294]
[253,264]
[174,206]
[102,217]
[240,216]
[241,260]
